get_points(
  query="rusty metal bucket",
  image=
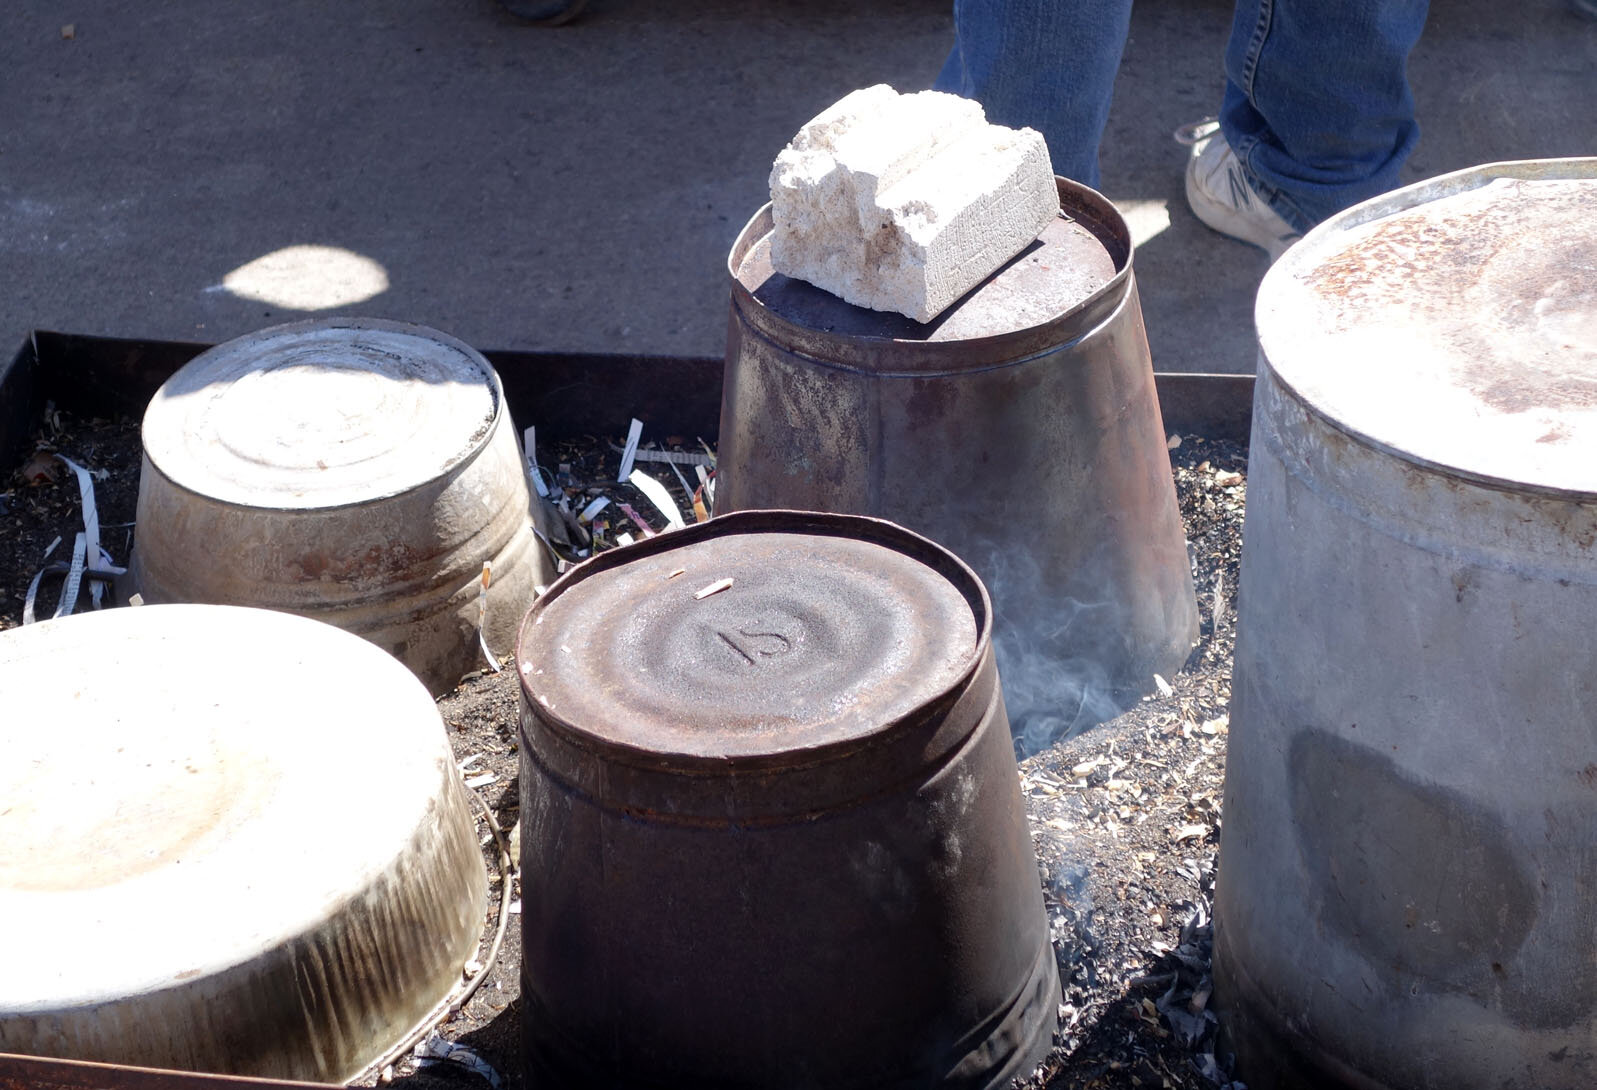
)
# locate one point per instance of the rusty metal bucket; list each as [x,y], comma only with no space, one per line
[1407,876]
[771,809]
[1020,429]
[352,470]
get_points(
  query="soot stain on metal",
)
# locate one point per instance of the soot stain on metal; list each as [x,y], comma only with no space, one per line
[1455,915]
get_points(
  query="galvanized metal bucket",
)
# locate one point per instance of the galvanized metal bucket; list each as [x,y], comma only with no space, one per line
[1020,429]
[356,471]
[184,811]
[1407,876]
[769,798]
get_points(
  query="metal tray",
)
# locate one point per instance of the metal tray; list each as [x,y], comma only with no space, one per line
[563,394]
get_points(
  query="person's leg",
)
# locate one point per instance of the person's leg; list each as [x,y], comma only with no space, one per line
[1317,105]
[1047,64]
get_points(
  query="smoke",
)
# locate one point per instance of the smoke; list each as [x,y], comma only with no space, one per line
[1051,698]
[1054,652]
[1070,923]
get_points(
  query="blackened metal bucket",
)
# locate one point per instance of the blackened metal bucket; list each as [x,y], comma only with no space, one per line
[771,824]
[1020,429]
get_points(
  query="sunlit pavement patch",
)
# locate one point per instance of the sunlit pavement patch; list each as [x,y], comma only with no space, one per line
[308,278]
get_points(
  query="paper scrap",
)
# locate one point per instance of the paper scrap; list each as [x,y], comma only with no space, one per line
[658,495]
[687,489]
[714,588]
[482,616]
[94,555]
[637,519]
[672,457]
[437,1049]
[630,451]
[530,448]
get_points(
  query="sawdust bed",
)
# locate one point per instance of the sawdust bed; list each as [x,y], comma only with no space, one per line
[1126,816]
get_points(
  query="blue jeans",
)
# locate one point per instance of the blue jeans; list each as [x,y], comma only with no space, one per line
[1316,105]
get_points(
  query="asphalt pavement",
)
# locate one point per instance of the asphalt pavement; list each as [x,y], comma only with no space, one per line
[194,169]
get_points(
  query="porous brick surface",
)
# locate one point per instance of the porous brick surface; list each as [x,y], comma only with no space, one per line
[906,202]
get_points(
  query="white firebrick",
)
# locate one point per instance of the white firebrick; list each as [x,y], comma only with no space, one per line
[906,202]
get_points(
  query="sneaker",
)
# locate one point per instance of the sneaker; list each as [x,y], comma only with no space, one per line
[1220,195]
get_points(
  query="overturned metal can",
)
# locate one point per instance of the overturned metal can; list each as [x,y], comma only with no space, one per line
[1020,429]
[1407,878]
[771,818]
[357,471]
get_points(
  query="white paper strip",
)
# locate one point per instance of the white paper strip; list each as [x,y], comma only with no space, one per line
[687,488]
[630,451]
[482,616]
[69,591]
[714,588]
[676,457]
[529,440]
[91,528]
[28,600]
[658,496]
[437,1050]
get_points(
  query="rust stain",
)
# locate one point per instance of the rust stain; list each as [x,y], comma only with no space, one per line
[1486,280]
[1400,253]
[375,563]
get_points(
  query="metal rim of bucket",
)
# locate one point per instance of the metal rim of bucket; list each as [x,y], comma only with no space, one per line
[779,785]
[1324,237]
[387,325]
[1086,206]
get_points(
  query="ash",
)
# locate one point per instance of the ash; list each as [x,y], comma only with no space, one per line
[1126,822]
